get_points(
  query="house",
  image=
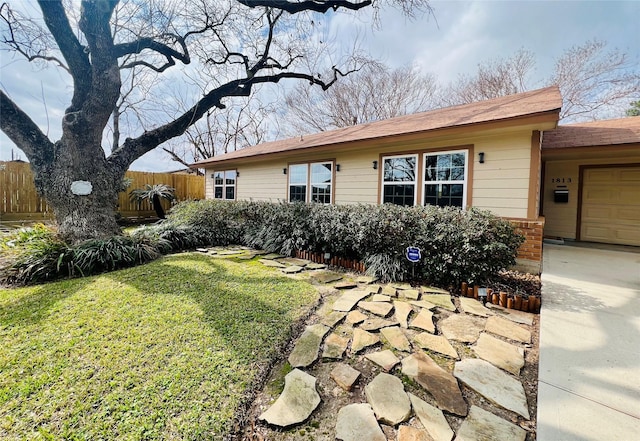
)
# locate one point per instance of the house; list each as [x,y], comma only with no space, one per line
[490,155]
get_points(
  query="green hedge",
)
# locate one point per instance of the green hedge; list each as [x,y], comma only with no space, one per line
[457,245]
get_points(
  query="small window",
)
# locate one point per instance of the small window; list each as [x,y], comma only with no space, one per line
[224,185]
[445,176]
[298,183]
[399,180]
[321,180]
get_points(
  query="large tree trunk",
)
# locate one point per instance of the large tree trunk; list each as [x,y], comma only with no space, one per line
[83,190]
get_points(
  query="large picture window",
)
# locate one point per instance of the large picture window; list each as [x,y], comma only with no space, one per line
[445,175]
[399,179]
[224,185]
[311,182]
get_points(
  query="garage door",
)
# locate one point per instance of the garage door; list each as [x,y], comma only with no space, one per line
[611,205]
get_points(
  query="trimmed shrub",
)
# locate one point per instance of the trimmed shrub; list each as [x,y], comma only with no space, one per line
[457,245]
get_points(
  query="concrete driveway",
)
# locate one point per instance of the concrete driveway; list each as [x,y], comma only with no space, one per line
[589,371]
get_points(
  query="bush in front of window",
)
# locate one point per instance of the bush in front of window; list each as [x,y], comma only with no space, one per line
[456,245]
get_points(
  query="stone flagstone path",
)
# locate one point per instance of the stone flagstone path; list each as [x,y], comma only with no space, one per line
[395,362]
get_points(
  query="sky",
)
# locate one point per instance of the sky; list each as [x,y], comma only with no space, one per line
[451,42]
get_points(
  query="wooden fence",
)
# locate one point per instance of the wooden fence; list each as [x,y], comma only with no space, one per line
[19,200]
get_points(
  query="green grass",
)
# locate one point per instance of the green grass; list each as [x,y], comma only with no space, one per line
[164,351]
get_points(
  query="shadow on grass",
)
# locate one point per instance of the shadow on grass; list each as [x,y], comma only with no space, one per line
[37,304]
[252,308]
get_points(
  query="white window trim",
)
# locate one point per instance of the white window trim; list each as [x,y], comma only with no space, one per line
[414,182]
[224,185]
[463,182]
[310,183]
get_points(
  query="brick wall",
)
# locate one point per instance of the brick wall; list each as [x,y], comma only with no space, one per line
[530,252]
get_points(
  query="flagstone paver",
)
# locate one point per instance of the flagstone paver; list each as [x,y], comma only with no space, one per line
[436,343]
[424,321]
[508,329]
[334,346]
[366,279]
[438,382]
[493,384]
[315,266]
[306,349]
[345,285]
[378,308]
[412,294]
[385,359]
[294,262]
[293,269]
[408,433]
[440,300]
[333,318]
[524,318]
[357,422]
[348,300]
[432,419]
[327,276]
[355,317]
[461,327]
[473,306]
[345,376]
[362,339]
[373,289]
[423,304]
[272,256]
[389,291]
[373,324]
[433,290]
[500,353]
[483,425]
[386,395]
[297,401]
[380,298]
[402,311]
[396,338]
[401,286]
[271,263]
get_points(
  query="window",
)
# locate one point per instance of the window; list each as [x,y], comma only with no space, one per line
[445,178]
[224,184]
[399,179]
[316,176]
[298,183]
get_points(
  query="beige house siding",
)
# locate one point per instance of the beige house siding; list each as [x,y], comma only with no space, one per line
[561,218]
[500,185]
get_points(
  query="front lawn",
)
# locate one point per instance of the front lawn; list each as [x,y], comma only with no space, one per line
[166,350]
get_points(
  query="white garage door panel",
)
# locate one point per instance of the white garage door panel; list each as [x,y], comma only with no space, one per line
[611,205]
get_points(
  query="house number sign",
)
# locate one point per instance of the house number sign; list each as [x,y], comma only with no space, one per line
[561,180]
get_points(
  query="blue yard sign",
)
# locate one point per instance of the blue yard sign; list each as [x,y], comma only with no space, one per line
[413,254]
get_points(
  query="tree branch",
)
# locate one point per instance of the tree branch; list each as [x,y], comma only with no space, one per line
[309,5]
[24,132]
[135,47]
[72,51]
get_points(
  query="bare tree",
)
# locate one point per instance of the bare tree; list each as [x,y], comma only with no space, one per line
[494,78]
[242,43]
[242,124]
[374,93]
[595,82]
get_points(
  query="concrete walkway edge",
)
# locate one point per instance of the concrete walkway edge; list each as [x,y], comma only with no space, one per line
[589,370]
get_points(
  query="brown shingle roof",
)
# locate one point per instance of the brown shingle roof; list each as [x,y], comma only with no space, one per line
[504,108]
[596,133]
